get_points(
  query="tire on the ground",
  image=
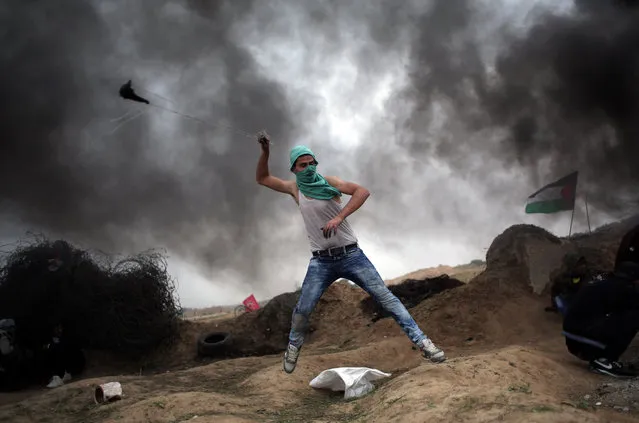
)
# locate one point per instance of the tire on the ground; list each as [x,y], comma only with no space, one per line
[214,344]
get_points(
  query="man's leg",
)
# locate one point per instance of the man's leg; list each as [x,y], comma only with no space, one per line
[622,329]
[55,365]
[616,332]
[74,360]
[583,351]
[319,276]
[358,268]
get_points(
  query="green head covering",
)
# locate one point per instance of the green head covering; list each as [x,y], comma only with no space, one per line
[311,183]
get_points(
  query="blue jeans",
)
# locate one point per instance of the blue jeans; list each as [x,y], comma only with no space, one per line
[354,266]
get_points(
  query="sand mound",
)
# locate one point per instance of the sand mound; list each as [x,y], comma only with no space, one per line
[528,250]
[600,248]
[266,330]
[507,358]
[505,303]
[511,384]
[411,292]
[430,272]
[486,309]
[501,304]
[343,310]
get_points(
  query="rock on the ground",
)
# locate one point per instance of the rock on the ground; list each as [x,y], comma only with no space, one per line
[620,395]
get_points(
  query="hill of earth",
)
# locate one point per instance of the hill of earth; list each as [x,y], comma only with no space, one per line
[464,272]
[507,360]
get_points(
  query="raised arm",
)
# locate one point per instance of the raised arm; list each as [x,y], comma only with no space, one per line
[263,177]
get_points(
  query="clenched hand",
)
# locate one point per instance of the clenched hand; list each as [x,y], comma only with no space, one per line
[330,228]
[264,143]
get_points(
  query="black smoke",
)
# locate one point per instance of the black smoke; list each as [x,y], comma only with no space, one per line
[159,180]
[557,97]
[561,96]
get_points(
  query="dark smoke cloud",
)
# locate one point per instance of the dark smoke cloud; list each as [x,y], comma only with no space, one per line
[159,180]
[493,103]
[478,100]
[562,96]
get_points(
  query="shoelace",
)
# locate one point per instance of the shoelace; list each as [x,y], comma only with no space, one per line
[428,345]
[292,354]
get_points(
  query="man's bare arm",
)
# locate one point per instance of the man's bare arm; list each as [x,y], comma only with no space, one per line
[263,177]
[358,194]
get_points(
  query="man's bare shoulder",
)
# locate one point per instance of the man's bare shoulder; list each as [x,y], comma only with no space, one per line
[334,180]
[345,187]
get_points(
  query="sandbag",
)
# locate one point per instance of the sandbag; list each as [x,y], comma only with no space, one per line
[354,381]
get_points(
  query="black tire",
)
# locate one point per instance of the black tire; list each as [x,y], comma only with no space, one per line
[214,344]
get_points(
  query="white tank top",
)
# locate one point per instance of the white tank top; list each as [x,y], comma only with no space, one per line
[316,213]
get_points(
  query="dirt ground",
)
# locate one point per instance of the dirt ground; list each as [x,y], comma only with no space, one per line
[506,362]
[528,381]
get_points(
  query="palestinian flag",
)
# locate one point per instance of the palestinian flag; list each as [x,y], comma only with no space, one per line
[555,197]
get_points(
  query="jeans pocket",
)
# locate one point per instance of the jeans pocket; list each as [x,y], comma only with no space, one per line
[354,253]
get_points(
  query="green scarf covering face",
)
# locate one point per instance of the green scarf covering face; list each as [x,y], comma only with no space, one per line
[311,183]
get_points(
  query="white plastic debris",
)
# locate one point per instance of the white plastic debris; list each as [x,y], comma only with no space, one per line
[354,381]
[108,392]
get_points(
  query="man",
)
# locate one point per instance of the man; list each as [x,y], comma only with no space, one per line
[9,369]
[604,316]
[564,288]
[334,248]
[64,358]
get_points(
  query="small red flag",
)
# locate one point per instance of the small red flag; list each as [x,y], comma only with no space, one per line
[251,303]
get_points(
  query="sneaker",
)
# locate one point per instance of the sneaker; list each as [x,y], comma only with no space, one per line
[612,368]
[66,378]
[431,351]
[290,358]
[55,382]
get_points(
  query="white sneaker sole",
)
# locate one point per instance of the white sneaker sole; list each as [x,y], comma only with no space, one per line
[438,358]
[284,363]
[611,374]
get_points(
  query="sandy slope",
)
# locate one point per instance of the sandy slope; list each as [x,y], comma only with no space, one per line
[464,273]
[507,362]
[513,384]
[503,373]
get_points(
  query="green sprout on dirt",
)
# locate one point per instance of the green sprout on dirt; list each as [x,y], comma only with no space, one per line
[468,404]
[583,404]
[521,388]
[542,409]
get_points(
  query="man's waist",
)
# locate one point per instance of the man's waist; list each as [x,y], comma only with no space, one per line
[335,251]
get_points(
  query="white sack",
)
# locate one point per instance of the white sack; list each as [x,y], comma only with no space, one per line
[354,381]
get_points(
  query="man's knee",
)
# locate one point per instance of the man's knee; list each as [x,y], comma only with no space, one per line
[383,295]
[391,304]
[300,322]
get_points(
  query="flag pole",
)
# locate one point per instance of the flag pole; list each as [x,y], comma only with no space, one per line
[587,214]
[571,219]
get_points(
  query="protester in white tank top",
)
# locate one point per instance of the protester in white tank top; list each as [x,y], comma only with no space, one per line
[334,248]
